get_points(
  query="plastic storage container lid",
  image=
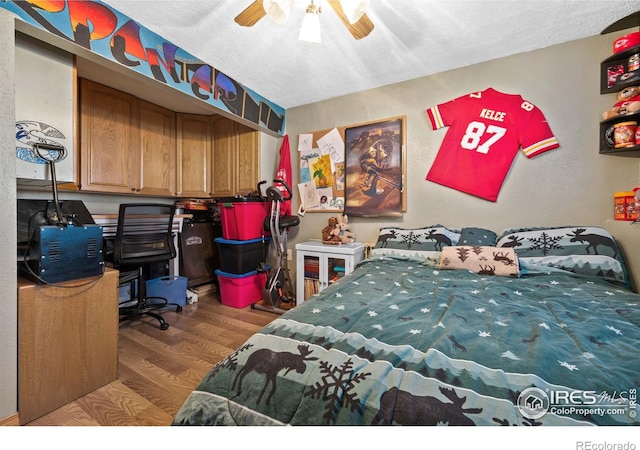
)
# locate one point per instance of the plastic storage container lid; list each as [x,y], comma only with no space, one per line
[220,240]
[230,200]
[220,273]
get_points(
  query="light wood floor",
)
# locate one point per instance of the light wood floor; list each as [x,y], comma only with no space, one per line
[158,369]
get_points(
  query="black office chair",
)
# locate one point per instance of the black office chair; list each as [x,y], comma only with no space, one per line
[144,236]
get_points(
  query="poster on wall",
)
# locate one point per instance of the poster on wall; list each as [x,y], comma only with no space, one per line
[374,168]
[321,185]
[44,105]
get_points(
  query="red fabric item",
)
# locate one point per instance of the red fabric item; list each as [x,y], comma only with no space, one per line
[486,131]
[284,173]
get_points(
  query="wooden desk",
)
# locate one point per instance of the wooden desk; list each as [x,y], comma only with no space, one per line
[67,342]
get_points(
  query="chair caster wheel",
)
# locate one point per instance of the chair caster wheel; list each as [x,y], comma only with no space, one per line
[179,309]
[164,326]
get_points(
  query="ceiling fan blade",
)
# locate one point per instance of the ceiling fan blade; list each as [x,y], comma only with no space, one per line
[250,16]
[360,29]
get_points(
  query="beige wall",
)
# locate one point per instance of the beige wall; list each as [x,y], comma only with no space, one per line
[570,185]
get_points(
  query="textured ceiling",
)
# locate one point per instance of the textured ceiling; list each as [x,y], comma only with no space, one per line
[411,39]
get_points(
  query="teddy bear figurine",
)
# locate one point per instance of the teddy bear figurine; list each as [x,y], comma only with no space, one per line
[342,232]
[329,235]
[628,102]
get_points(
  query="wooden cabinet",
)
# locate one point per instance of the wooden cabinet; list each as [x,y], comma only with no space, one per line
[194,155]
[155,165]
[67,341]
[218,157]
[130,146]
[318,265]
[235,158]
[126,145]
[223,183]
[108,124]
[247,161]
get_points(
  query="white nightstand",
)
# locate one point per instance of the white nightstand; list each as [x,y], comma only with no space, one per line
[319,265]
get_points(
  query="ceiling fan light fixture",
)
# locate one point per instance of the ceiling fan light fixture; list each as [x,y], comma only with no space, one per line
[354,9]
[310,30]
[277,10]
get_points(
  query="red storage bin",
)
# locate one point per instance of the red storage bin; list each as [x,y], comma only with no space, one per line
[243,218]
[240,291]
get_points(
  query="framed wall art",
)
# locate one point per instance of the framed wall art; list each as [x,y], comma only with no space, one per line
[375,167]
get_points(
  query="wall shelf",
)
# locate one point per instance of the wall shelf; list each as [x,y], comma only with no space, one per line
[617,72]
[618,63]
[607,146]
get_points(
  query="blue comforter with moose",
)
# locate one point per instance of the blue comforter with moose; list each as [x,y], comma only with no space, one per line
[402,341]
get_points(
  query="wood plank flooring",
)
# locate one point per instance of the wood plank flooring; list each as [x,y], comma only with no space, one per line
[158,369]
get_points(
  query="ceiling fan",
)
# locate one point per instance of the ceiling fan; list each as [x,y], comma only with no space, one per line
[351,13]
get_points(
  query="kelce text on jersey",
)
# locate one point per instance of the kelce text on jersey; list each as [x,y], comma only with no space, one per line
[498,116]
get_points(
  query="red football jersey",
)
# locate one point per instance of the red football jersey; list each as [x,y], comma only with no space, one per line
[486,131]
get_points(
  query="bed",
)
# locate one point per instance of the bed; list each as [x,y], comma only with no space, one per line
[445,326]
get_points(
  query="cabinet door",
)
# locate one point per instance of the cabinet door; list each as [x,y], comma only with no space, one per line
[317,271]
[156,165]
[337,266]
[236,158]
[108,124]
[309,275]
[194,155]
[248,159]
[224,157]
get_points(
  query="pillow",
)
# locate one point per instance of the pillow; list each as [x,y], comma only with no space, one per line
[483,260]
[582,250]
[477,236]
[426,242]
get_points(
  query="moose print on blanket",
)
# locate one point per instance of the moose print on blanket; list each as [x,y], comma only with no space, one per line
[593,241]
[405,408]
[582,250]
[266,361]
[424,242]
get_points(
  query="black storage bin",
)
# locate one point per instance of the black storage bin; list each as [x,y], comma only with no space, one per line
[240,257]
